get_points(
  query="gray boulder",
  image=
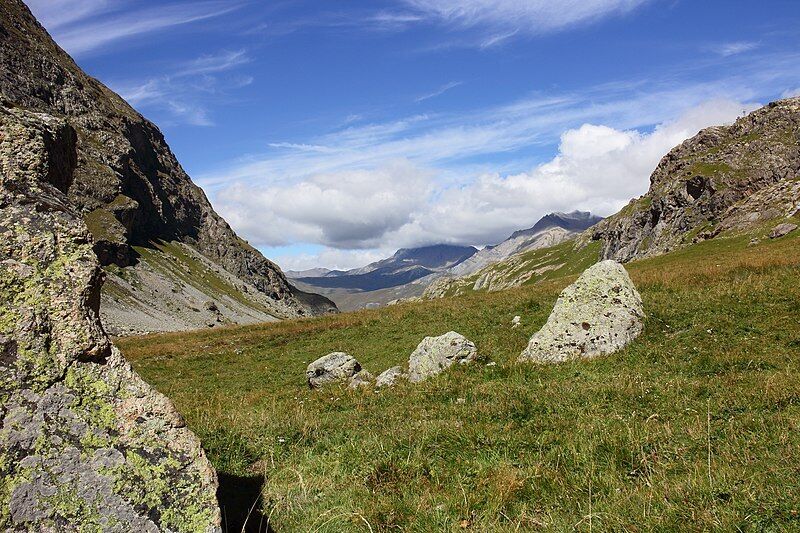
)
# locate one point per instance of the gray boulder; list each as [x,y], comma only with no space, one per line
[332,368]
[435,354]
[85,443]
[389,377]
[782,229]
[598,314]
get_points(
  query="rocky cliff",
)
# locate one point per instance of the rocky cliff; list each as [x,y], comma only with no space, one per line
[725,178]
[85,444]
[128,185]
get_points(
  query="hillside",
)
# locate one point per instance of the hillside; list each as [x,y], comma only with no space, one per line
[695,423]
[133,193]
[724,178]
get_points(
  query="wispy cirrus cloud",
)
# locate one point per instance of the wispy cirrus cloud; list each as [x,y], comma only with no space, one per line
[87,26]
[184,93]
[529,16]
[734,48]
[438,92]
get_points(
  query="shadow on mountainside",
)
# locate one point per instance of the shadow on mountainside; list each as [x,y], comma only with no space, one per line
[240,500]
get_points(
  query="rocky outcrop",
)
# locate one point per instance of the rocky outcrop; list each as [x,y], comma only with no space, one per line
[781,230]
[598,314]
[85,444]
[725,178]
[389,377]
[332,368]
[126,182]
[435,354]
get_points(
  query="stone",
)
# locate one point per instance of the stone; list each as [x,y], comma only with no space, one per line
[515,322]
[435,354]
[389,377]
[332,368]
[782,230]
[598,314]
[85,443]
[361,379]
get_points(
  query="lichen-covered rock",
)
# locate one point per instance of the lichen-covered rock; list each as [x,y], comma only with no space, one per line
[598,314]
[361,379]
[85,444]
[782,230]
[389,377]
[724,178]
[332,368]
[435,354]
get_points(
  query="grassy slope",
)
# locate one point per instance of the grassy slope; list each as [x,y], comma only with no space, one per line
[695,426]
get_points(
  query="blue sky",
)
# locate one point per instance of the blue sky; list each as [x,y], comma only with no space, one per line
[332,133]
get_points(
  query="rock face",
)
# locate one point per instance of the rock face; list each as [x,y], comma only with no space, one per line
[782,230]
[598,314]
[85,444]
[724,178]
[435,354]
[126,182]
[332,368]
[389,377]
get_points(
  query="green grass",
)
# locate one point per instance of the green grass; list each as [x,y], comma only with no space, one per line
[694,427]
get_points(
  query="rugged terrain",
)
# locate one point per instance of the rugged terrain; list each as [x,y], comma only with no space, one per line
[724,178]
[85,443]
[131,191]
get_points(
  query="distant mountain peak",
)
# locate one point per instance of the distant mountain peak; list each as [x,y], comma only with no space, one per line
[572,221]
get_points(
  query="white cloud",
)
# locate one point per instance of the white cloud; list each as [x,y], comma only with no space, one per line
[438,92]
[85,26]
[734,48]
[351,209]
[597,168]
[530,16]
[332,258]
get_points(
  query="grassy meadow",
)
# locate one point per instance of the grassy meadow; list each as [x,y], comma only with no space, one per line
[694,427]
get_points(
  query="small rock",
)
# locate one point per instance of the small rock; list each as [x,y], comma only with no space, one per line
[754,241]
[211,306]
[435,354]
[598,314]
[336,366]
[516,321]
[461,400]
[361,379]
[782,229]
[389,377]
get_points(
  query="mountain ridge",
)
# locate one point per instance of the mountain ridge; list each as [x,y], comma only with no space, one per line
[127,183]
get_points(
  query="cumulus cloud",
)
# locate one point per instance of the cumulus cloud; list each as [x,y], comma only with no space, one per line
[348,209]
[596,168]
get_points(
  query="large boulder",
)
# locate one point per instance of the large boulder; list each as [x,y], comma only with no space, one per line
[435,354]
[332,368]
[85,443]
[598,314]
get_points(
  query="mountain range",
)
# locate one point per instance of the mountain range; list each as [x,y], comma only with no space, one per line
[410,271]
